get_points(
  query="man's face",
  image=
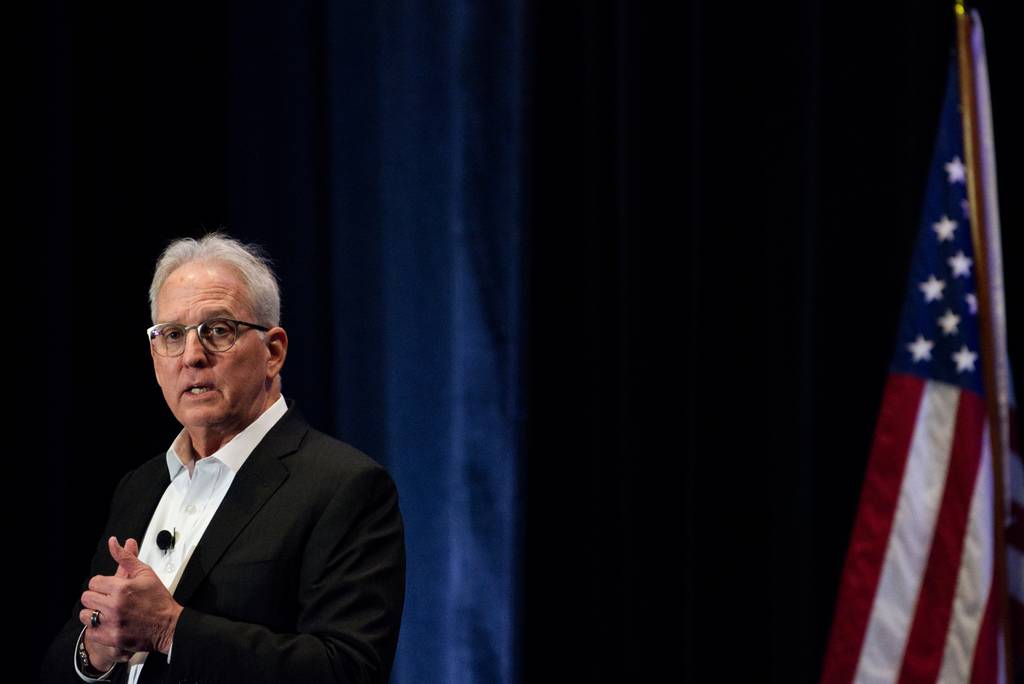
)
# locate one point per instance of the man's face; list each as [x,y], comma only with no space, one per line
[238,382]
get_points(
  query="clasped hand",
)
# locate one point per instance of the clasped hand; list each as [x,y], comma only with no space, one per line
[137,613]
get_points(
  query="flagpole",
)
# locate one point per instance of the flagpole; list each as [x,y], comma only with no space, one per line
[976,203]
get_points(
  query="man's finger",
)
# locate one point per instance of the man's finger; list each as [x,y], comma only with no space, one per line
[94,600]
[91,644]
[104,584]
[126,557]
[116,550]
[99,636]
[85,617]
[130,547]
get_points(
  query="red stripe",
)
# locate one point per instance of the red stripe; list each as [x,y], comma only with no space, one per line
[984,668]
[922,656]
[871,530]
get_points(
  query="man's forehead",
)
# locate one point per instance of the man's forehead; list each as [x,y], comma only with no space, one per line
[205,273]
[203,290]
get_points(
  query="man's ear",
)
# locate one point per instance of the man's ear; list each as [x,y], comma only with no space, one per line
[277,345]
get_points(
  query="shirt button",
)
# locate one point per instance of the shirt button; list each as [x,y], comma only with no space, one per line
[190,509]
[169,567]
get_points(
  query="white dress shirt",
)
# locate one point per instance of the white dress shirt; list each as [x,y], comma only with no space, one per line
[187,506]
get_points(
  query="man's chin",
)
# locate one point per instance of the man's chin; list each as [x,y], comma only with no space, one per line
[201,417]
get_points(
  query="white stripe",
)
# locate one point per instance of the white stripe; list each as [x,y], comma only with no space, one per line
[974,581]
[911,536]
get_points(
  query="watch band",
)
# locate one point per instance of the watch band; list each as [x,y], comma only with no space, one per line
[84,664]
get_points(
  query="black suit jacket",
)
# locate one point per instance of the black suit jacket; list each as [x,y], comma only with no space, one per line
[299,576]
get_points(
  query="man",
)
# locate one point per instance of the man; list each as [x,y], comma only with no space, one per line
[256,549]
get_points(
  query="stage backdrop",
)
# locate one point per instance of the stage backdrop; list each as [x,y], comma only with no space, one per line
[715,204]
[375,150]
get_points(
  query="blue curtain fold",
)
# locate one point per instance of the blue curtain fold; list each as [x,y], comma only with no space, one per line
[377,151]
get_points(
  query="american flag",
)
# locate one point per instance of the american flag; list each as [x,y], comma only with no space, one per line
[918,601]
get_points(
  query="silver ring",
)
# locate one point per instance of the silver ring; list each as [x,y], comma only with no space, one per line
[94,619]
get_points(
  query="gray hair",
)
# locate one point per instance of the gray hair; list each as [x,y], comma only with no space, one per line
[250,261]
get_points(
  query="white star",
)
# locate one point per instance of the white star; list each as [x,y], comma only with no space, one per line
[948,322]
[965,359]
[932,288]
[961,264]
[956,170]
[944,228]
[972,302]
[921,349]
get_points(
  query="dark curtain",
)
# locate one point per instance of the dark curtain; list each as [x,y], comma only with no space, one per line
[724,199]
[375,150]
[611,289]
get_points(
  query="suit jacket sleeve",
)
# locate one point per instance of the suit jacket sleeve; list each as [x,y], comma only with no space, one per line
[351,579]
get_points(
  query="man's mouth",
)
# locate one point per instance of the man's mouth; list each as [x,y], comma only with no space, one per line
[198,389]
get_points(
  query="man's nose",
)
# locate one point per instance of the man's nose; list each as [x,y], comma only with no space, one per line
[195,352]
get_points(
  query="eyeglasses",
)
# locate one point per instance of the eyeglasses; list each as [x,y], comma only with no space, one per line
[216,335]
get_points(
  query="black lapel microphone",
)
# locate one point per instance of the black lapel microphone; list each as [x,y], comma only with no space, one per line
[165,540]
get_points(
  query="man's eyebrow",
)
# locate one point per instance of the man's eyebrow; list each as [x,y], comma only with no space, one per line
[207,314]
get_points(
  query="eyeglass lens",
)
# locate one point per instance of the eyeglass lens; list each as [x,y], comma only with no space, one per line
[216,335]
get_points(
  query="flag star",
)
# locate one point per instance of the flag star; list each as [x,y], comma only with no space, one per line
[921,349]
[961,264]
[949,322]
[956,171]
[965,359]
[932,288]
[972,302]
[944,228]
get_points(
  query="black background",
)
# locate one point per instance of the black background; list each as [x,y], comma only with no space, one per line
[720,201]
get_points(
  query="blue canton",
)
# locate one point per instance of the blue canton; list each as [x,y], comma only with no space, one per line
[939,330]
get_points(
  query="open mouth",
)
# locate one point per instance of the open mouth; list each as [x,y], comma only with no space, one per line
[196,390]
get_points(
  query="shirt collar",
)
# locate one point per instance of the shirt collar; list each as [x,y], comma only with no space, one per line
[235,452]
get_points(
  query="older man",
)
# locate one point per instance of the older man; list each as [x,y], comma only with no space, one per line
[256,549]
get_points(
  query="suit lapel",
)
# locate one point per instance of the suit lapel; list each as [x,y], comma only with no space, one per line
[154,481]
[256,481]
